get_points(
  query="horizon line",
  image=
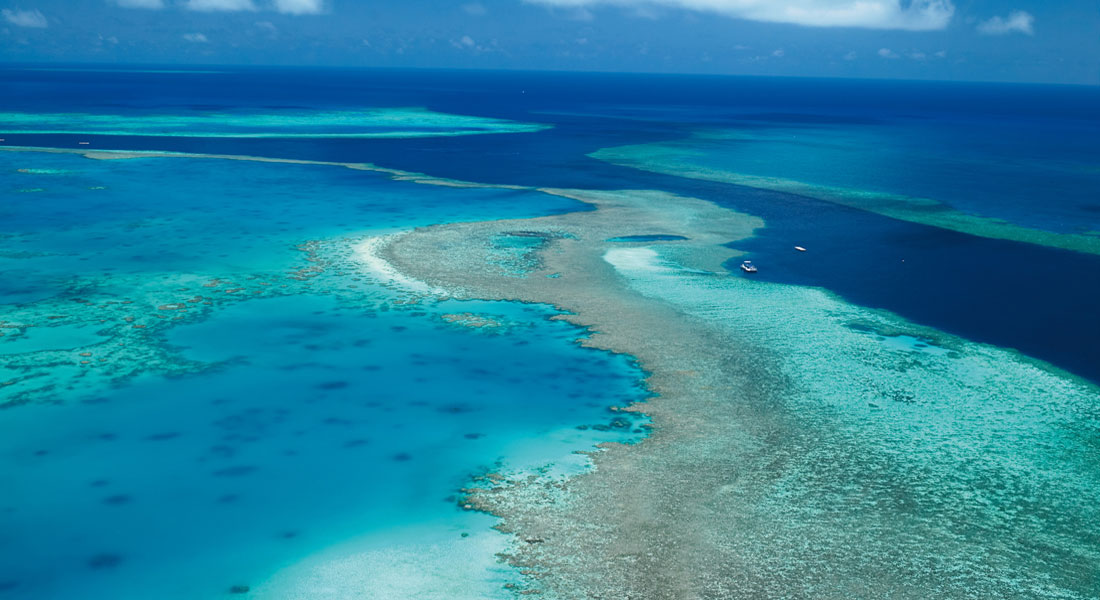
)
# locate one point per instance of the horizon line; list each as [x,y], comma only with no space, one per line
[214,68]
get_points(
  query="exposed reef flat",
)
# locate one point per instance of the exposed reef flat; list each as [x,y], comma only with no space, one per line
[360,124]
[800,450]
[683,161]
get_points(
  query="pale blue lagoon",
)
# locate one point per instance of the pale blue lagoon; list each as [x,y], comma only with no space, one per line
[214,394]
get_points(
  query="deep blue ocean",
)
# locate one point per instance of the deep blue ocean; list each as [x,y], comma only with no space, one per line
[227,443]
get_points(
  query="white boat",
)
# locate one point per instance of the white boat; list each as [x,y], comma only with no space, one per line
[800,248]
[748,267]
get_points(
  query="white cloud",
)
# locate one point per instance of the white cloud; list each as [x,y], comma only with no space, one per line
[197,38]
[287,7]
[918,55]
[581,14]
[1017,21]
[300,7]
[851,55]
[150,4]
[467,43]
[268,28]
[778,53]
[887,53]
[25,18]
[645,12]
[941,54]
[476,9]
[219,5]
[914,15]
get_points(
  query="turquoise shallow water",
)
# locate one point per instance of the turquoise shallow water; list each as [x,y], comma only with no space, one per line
[211,399]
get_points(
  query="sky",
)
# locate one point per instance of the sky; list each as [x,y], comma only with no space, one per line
[1048,41]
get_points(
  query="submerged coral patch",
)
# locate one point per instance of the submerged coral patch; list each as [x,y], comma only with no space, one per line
[655,237]
[33,171]
[105,560]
